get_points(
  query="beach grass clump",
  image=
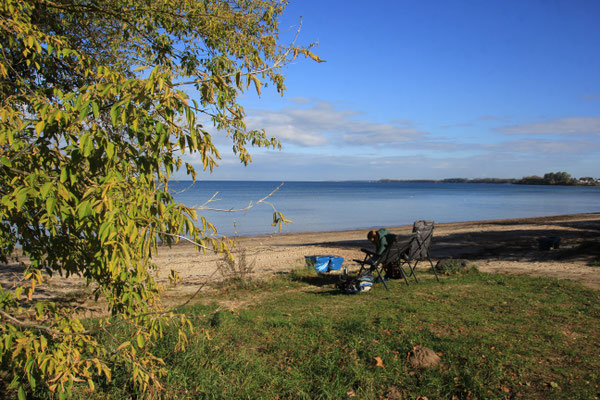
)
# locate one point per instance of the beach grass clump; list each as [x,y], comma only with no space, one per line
[236,269]
[450,266]
[496,336]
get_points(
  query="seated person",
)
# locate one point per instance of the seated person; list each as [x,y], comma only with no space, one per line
[380,239]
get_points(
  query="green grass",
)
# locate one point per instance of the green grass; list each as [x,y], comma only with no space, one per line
[498,337]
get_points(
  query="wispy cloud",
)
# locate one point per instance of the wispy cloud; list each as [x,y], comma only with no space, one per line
[546,146]
[489,118]
[591,96]
[460,125]
[299,166]
[473,122]
[571,126]
[321,123]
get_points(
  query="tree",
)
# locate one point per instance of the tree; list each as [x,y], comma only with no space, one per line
[558,178]
[100,100]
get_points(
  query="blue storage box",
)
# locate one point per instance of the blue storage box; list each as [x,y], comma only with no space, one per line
[323,264]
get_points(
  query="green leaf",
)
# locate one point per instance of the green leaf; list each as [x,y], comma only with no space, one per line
[63,175]
[110,150]
[140,340]
[84,209]
[50,204]
[114,114]
[6,162]
[95,109]
[21,198]
[83,141]
[45,189]
[22,393]
[89,146]
[84,111]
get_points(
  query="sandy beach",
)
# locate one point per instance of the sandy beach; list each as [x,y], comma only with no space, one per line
[502,246]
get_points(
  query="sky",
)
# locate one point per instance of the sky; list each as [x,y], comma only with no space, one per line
[431,90]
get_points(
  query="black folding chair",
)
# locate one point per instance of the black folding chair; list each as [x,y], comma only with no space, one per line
[420,247]
[393,255]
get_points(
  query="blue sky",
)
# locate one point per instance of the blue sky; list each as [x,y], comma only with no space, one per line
[432,90]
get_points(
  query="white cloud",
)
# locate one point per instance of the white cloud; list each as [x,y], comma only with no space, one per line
[571,126]
[322,123]
[324,140]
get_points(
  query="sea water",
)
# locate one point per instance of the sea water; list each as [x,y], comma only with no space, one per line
[332,206]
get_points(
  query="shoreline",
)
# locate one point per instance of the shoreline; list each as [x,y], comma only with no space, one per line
[295,236]
[500,245]
[507,246]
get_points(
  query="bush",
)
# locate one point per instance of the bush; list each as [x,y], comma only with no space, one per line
[451,266]
[238,272]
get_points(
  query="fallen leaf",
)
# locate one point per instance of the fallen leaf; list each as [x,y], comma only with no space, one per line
[378,362]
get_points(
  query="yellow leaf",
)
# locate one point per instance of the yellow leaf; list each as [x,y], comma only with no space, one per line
[257,83]
[378,362]
[122,346]
[39,127]
[140,340]
[315,57]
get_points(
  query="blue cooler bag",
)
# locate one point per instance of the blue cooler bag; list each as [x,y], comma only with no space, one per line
[335,263]
[319,263]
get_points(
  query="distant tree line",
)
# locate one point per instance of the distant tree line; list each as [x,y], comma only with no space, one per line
[551,178]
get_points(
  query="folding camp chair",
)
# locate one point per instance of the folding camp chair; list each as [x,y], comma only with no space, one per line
[419,251]
[394,254]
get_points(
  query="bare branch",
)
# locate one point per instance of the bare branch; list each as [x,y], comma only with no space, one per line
[249,206]
[186,239]
[29,324]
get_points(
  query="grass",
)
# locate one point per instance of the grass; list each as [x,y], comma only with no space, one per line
[498,337]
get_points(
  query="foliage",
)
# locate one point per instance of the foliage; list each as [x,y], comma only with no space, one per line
[551,178]
[99,101]
[497,336]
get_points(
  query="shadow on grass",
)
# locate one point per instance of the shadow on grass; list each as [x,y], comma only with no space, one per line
[318,280]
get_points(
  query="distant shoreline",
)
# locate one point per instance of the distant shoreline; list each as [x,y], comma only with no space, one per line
[496,181]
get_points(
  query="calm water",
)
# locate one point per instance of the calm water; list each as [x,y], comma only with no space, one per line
[326,206]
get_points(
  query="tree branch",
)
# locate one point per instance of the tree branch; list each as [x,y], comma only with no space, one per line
[249,206]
